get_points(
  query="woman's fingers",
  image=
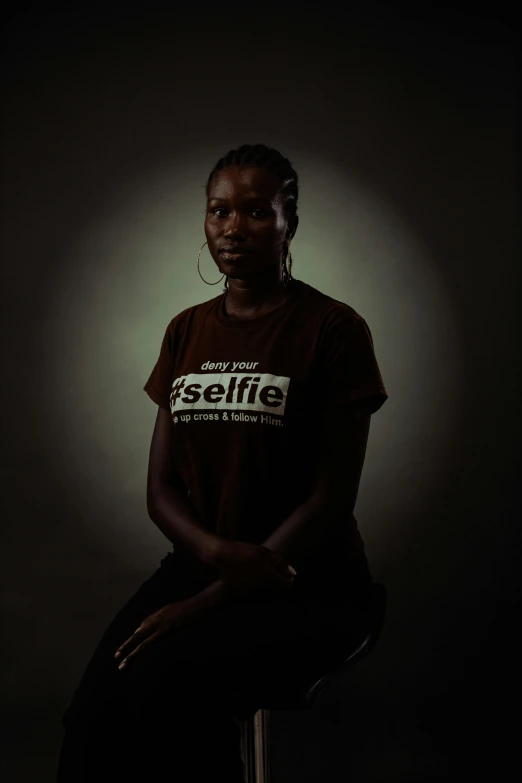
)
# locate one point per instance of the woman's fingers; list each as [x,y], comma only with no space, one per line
[285,573]
[287,580]
[279,563]
[286,577]
[139,649]
[140,633]
[148,628]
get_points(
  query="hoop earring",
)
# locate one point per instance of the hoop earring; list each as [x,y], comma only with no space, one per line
[206,281]
[287,275]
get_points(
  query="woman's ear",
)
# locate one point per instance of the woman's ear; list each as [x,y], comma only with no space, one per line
[293,222]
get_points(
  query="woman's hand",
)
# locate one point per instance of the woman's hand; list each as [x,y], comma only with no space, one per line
[169,618]
[245,568]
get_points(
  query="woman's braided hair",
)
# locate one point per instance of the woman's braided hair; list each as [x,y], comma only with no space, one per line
[271,159]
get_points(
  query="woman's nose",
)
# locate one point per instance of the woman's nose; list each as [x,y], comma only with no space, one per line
[235,226]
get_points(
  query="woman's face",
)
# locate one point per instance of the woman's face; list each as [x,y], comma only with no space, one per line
[243,210]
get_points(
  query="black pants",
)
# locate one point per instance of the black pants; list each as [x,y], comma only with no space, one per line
[170,715]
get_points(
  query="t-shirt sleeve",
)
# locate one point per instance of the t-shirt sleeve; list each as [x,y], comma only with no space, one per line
[159,384]
[349,369]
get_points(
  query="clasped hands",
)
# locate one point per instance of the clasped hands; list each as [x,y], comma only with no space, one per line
[243,568]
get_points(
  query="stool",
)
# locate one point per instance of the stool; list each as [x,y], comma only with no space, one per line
[255,726]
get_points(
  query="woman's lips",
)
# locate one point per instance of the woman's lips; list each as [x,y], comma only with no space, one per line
[233,256]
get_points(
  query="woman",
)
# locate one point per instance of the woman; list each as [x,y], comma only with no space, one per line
[265,394]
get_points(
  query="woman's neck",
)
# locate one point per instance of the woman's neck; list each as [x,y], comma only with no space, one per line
[251,303]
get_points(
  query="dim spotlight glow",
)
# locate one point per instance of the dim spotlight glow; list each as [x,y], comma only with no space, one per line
[134,268]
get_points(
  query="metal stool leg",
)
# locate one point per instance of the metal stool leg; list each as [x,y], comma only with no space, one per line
[255,734]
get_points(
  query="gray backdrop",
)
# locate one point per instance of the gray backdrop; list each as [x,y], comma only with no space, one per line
[400,127]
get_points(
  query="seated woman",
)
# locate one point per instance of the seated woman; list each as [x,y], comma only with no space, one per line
[265,394]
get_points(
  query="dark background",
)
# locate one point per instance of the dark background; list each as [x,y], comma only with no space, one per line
[421,103]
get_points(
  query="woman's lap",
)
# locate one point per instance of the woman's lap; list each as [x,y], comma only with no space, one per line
[222,661]
[263,640]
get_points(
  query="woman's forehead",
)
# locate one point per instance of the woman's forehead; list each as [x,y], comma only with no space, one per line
[247,181]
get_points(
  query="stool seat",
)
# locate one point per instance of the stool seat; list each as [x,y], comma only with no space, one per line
[254,721]
[300,696]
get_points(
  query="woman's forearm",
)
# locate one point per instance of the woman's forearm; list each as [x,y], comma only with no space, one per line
[213,595]
[174,514]
[306,530]
[297,539]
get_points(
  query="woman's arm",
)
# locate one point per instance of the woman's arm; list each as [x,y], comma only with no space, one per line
[344,437]
[168,505]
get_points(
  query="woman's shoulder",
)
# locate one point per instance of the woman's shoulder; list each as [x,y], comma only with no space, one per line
[327,305]
[192,314]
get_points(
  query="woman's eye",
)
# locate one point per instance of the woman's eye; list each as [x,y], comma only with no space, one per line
[221,209]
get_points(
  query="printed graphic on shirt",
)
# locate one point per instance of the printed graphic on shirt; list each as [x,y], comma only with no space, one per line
[230,395]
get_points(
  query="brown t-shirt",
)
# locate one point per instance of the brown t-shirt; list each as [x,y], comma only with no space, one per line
[244,396]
